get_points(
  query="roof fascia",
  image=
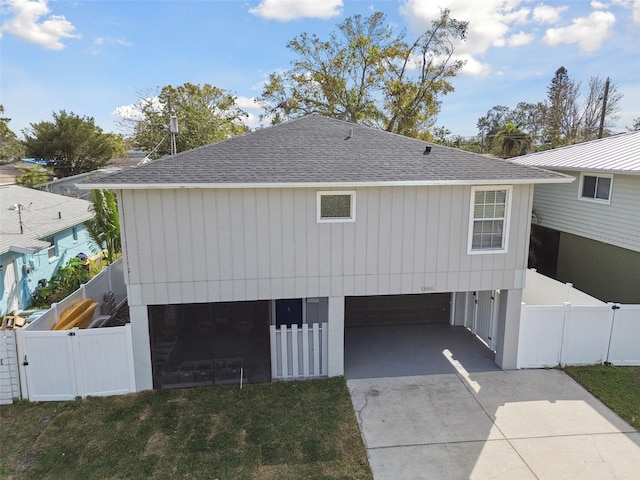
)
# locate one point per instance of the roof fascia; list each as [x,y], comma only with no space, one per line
[399,183]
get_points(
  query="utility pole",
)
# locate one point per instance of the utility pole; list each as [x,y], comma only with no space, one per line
[173,128]
[604,108]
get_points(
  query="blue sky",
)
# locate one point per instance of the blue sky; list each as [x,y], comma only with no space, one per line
[98,57]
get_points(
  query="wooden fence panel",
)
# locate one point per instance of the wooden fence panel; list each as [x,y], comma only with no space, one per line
[299,352]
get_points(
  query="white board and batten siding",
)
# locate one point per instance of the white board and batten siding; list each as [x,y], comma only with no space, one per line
[209,245]
[617,223]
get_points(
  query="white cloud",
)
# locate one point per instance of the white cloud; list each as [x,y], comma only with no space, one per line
[100,42]
[285,10]
[133,112]
[546,14]
[595,4]
[520,38]
[27,24]
[588,32]
[490,23]
[636,12]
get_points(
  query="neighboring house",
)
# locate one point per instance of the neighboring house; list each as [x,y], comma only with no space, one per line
[39,232]
[590,229]
[315,220]
[67,185]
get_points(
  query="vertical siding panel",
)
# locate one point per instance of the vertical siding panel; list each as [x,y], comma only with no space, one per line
[211,227]
[301,215]
[236,215]
[420,240]
[172,252]
[458,231]
[433,220]
[313,234]
[361,237]
[288,234]
[157,244]
[349,248]
[250,234]
[397,227]
[184,231]
[336,248]
[408,230]
[373,225]
[263,234]
[465,259]
[225,258]
[444,229]
[197,235]
[143,227]
[384,230]
[275,232]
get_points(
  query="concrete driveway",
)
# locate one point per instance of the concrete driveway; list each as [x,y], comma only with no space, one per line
[528,424]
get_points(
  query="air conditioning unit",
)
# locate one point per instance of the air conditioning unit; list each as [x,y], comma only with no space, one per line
[27,268]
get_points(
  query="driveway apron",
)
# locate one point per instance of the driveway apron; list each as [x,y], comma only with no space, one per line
[526,424]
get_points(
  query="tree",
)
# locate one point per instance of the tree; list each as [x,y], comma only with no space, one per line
[104,227]
[513,141]
[489,125]
[635,125]
[205,114]
[32,176]
[11,148]
[364,73]
[69,145]
[562,110]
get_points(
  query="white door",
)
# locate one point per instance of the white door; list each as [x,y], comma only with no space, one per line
[484,324]
[10,293]
[46,360]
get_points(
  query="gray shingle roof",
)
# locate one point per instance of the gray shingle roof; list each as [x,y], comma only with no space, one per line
[318,150]
[40,217]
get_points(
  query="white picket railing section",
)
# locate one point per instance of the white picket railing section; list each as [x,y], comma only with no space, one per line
[299,352]
[580,330]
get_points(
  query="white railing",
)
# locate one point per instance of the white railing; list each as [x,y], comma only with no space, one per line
[574,328]
[299,352]
[111,278]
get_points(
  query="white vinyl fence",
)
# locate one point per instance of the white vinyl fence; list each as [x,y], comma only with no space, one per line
[64,365]
[574,328]
[299,352]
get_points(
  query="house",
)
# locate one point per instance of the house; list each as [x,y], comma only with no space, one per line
[39,232]
[67,185]
[590,229]
[239,252]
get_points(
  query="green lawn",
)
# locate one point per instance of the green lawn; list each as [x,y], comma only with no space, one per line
[616,387]
[283,430]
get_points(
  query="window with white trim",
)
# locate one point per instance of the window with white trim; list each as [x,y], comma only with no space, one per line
[489,219]
[596,188]
[336,206]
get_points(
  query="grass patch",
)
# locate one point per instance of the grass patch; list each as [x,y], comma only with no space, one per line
[617,387]
[268,431]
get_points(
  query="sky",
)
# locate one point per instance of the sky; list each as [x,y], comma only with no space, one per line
[97,58]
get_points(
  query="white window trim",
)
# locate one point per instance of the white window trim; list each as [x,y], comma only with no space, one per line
[320,194]
[595,200]
[507,220]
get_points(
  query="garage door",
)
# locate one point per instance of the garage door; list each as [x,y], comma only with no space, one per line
[397,309]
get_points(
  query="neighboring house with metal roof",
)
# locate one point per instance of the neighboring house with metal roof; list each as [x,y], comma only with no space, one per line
[590,229]
[39,232]
[255,253]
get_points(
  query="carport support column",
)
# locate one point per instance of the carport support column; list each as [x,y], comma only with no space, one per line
[335,337]
[139,316]
[508,329]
